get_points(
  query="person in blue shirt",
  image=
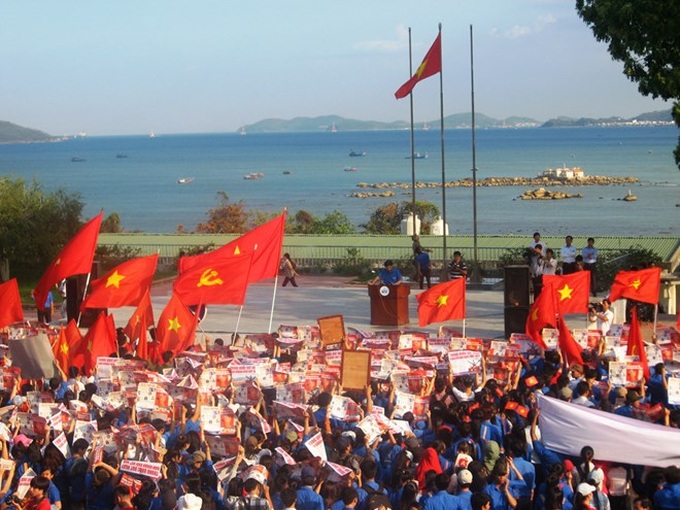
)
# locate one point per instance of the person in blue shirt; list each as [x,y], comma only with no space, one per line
[632,401]
[388,275]
[441,500]
[499,488]
[424,269]
[658,385]
[307,497]
[668,498]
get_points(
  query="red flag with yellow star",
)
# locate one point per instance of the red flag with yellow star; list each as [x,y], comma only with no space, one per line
[642,285]
[75,258]
[138,325]
[541,315]
[265,242]
[441,303]
[99,341]
[571,291]
[221,282]
[636,347]
[176,328]
[431,65]
[124,285]
[10,303]
[571,350]
[69,338]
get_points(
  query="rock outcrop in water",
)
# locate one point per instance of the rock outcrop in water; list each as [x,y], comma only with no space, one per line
[546,194]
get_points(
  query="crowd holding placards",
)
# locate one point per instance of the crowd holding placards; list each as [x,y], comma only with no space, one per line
[263,423]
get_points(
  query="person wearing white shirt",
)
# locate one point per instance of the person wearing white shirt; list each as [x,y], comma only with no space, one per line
[603,318]
[549,262]
[568,254]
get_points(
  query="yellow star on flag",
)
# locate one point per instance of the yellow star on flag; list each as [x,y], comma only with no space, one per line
[442,300]
[635,284]
[237,251]
[174,325]
[64,348]
[57,262]
[421,68]
[565,292]
[114,280]
[534,314]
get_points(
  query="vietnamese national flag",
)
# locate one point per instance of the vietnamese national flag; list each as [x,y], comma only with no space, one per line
[541,315]
[99,341]
[75,258]
[642,285]
[570,348]
[636,347]
[124,285]
[431,65]
[176,328]
[441,303]
[66,345]
[138,325]
[10,303]
[221,282]
[571,291]
[264,241]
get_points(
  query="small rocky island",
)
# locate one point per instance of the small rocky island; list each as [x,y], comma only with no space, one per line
[546,194]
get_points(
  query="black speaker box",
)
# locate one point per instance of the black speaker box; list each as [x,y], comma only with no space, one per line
[516,282]
[515,319]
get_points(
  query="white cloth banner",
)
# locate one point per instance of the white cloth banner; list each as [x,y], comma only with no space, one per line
[566,428]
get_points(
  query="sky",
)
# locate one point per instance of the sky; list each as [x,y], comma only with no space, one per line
[135,66]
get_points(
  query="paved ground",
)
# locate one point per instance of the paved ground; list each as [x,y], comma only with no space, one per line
[319,296]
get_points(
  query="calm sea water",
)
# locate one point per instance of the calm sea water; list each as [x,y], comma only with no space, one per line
[142,188]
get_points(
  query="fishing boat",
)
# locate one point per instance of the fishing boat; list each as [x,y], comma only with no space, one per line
[185,180]
[77,160]
[287,172]
[418,155]
[242,131]
[357,154]
[152,135]
[253,176]
[120,155]
[351,169]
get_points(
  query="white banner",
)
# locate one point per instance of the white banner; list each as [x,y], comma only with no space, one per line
[566,428]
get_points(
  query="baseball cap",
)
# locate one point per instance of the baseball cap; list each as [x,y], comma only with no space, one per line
[189,502]
[596,476]
[584,489]
[464,477]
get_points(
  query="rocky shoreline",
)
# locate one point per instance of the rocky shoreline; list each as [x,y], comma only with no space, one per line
[593,180]
[546,194]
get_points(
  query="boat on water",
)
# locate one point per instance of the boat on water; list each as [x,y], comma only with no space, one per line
[334,128]
[242,131]
[120,155]
[418,155]
[77,160]
[152,135]
[351,169]
[185,180]
[253,176]
[426,127]
[357,154]
[287,172]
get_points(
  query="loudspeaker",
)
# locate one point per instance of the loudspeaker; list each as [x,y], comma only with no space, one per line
[75,292]
[516,286]
[515,319]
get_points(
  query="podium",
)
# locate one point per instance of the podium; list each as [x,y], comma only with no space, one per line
[389,304]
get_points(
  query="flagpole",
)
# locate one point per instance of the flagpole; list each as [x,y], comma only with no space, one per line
[87,284]
[271,315]
[413,148]
[464,329]
[656,312]
[441,117]
[475,277]
[238,321]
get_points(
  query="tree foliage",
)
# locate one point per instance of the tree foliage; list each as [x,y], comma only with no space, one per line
[111,224]
[35,225]
[386,219]
[645,36]
[227,218]
[304,222]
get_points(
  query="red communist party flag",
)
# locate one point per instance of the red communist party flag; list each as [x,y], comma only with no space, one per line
[176,327]
[222,282]
[441,303]
[10,303]
[642,285]
[124,285]
[99,341]
[264,241]
[570,348]
[75,258]
[431,65]
[541,315]
[571,291]
[636,347]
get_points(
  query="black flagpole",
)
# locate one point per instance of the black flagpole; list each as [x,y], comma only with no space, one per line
[476,275]
[441,123]
[413,161]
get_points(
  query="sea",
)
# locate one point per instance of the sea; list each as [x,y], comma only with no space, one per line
[137,176]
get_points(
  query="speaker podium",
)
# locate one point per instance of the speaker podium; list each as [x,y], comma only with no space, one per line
[389,304]
[517,299]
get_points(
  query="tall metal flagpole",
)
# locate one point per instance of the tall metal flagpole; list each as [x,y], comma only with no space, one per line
[441,124]
[413,159]
[476,275]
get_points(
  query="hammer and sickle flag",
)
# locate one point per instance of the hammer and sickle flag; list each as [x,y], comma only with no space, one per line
[431,65]
[642,285]
[219,282]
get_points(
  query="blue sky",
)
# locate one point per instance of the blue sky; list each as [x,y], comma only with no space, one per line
[132,66]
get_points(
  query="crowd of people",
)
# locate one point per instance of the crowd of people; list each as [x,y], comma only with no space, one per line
[471,441]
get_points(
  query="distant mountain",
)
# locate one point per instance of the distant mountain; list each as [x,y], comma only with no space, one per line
[650,118]
[11,133]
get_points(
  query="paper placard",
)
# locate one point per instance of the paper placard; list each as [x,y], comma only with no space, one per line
[355,372]
[674,391]
[150,469]
[316,446]
[332,329]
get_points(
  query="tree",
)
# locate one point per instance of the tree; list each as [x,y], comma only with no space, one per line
[35,225]
[111,224]
[226,218]
[386,219]
[304,222]
[645,36]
